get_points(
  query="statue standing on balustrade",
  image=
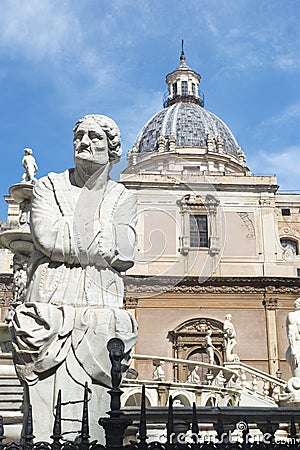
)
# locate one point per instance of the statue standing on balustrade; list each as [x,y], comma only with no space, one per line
[229,339]
[30,166]
[293,334]
[83,229]
[210,348]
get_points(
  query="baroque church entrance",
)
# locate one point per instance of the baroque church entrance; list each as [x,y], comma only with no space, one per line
[189,342]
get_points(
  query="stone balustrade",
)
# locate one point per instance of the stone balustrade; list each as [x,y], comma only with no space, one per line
[230,385]
[257,382]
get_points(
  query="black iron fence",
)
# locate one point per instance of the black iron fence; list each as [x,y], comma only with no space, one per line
[231,427]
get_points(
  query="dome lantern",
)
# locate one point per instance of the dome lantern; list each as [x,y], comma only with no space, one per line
[183,84]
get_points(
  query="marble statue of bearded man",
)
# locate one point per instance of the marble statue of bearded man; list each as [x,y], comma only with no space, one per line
[83,229]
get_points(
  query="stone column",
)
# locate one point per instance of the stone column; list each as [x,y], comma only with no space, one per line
[131,304]
[270,305]
[211,203]
[184,211]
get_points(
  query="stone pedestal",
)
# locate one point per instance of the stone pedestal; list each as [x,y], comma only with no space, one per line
[19,242]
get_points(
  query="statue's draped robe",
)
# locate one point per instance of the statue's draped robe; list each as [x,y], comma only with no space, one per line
[293,334]
[83,238]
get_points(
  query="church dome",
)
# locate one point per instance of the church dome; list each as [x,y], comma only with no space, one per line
[191,125]
[185,127]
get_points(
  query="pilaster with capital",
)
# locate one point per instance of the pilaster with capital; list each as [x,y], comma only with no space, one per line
[271,304]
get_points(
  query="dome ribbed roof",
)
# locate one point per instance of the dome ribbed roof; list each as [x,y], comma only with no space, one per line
[190,124]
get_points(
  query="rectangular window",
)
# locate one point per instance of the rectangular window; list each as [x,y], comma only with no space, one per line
[198,231]
[184,88]
[174,85]
[193,89]
[286,212]
[298,272]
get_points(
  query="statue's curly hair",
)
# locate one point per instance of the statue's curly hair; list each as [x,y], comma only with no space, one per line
[111,130]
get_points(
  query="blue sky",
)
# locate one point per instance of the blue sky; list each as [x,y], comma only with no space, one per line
[62,59]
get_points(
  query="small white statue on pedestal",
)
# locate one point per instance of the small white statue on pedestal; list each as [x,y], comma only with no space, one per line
[293,334]
[210,348]
[229,339]
[30,166]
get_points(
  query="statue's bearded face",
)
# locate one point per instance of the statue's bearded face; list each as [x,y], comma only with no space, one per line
[90,143]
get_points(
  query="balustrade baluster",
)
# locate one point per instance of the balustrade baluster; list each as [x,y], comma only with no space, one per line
[254,383]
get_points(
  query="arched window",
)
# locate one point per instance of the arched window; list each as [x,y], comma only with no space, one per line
[180,400]
[289,243]
[211,402]
[136,400]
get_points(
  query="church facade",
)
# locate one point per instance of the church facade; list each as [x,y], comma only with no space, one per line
[213,240]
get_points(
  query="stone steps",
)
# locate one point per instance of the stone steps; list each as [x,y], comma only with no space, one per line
[9,388]
[9,381]
[11,392]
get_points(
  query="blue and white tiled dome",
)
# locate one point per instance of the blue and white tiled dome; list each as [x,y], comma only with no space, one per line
[185,119]
[190,123]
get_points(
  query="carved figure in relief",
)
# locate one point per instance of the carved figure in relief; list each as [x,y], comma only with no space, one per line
[10,313]
[24,218]
[19,278]
[219,380]
[193,376]
[229,339]
[158,374]
[30,166]
[293,334]
[210,348]
[83,229]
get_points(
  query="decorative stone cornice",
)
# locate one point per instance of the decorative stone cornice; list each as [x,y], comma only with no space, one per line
[130,302]
[219,182]
[270,303]
[214,285]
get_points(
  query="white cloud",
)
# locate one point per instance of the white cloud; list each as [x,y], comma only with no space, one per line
[287,62]
[55,35]
[37,29]
[288,114]
[253,34]
[284,164]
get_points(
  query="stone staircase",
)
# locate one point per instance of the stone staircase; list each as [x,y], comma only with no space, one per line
[11,397]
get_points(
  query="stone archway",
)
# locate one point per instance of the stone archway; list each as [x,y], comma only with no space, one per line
[188,341]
